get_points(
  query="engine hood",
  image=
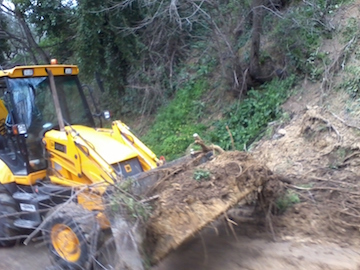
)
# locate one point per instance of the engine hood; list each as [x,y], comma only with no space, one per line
[111,150]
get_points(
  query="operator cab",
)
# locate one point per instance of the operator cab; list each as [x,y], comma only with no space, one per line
[26,104]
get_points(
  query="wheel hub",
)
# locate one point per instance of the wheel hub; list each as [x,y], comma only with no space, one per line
[65,242]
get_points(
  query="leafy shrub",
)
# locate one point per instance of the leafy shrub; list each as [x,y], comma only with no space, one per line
[176,123]
[248,118]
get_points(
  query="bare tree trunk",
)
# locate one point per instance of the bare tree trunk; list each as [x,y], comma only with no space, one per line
[266,71]
[257,16]
[29,37]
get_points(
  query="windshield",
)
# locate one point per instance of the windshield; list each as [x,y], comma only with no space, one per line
[34,104]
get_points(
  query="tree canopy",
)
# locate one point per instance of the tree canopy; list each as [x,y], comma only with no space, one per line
[145,50]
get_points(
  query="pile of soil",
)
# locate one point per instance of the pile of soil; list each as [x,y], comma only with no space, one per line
[197,194]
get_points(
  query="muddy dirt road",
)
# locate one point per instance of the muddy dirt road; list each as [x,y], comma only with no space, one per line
[212,251]
[23,257]
[222,250]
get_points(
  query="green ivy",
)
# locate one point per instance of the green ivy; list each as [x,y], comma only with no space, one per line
[177,121]
[248,118]
[175,124]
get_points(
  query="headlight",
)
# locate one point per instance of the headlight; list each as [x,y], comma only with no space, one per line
[28,72]
[68,71]
[19,129]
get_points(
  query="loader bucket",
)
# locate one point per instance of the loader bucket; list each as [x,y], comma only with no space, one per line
[183,197]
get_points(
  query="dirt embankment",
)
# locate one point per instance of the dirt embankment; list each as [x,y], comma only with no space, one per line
[320,156]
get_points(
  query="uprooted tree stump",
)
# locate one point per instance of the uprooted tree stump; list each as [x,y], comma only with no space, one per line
[179,200]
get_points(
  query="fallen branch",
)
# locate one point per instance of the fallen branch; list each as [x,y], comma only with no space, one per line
[343,121]
[324,188]
[155,197]
[351,156]
[330,180]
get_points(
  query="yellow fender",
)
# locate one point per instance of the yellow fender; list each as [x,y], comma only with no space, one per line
[6,175]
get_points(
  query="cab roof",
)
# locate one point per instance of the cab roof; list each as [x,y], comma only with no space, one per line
[38,71]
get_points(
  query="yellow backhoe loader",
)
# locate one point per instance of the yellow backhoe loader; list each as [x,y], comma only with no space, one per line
[48,146]
[56,168]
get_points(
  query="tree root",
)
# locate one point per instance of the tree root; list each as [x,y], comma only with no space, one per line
[206,148]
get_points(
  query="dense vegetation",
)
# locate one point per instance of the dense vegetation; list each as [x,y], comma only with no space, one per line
[218,68]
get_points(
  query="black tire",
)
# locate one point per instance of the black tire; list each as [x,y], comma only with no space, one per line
[8,213]
[83,229]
